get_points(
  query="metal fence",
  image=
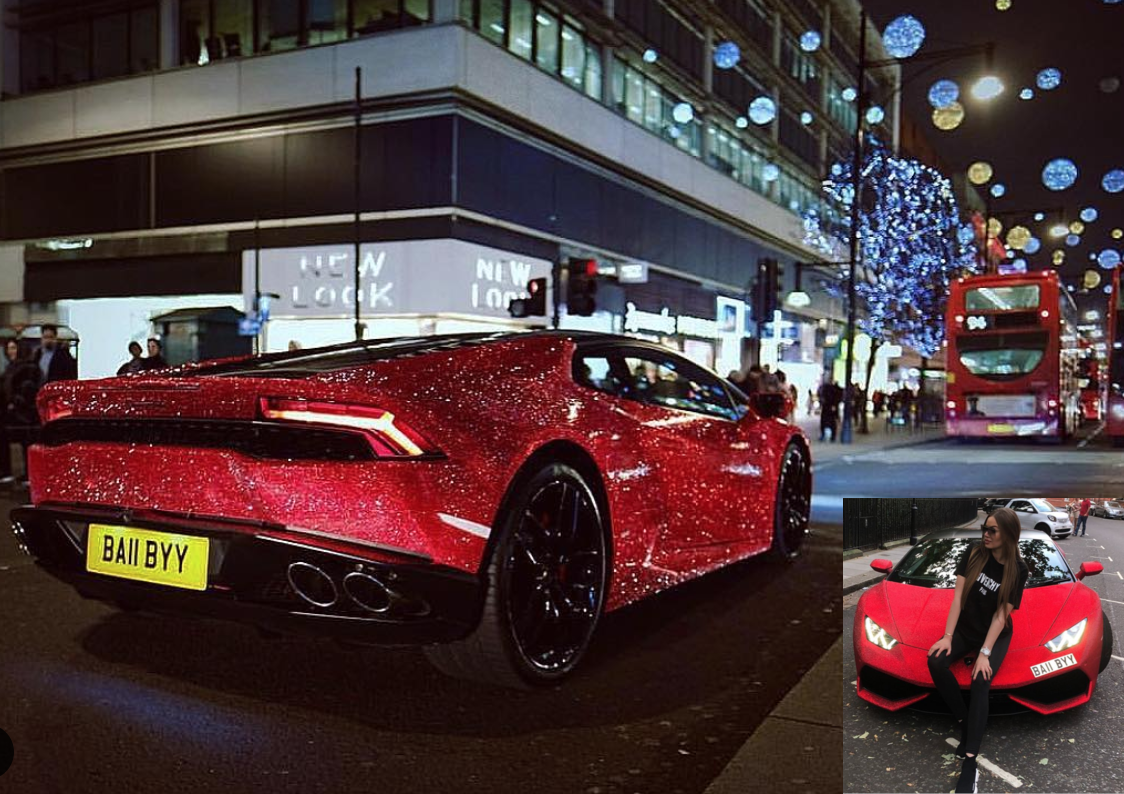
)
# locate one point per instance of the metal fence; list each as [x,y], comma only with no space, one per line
[868,523]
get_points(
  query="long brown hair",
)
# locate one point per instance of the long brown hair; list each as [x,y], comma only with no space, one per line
[1009,530]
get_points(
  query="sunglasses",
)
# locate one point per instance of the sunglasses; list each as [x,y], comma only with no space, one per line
[989,530]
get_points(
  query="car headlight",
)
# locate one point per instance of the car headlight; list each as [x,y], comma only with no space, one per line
[1052,518]
[878,635]
[1067,639]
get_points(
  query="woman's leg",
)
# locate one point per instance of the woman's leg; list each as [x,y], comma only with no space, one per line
[977,706]
[943,678]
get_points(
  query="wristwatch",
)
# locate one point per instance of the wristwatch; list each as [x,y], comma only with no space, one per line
[985,651]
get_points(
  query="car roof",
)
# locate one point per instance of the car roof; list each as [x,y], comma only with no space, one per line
[368,351]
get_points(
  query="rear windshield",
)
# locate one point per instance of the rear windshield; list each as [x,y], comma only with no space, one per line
[932,563]
[303,363]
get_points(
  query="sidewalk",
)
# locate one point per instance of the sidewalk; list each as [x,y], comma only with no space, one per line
[878,438]
[857,572]
[798,748]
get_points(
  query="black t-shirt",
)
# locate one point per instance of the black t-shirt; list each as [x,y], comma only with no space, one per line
[983,597]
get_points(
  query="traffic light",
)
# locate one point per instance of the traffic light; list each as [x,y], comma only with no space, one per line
[768,289]
[533,306]
[581,287]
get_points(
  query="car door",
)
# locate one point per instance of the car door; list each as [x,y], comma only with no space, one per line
[705,465]
[1028,516]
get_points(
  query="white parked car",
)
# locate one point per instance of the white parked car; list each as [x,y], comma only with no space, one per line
[1040,514]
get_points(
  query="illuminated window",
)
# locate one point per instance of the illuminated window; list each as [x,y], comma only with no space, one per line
[521,36]
[547,33]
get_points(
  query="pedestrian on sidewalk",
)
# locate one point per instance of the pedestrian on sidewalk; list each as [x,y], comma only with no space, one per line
[989,585]
[135,362]
[155,359]
[1082,517]
[831,395]
[11,358]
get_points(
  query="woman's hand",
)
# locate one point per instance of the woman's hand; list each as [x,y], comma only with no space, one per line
[943,644]
[982,667]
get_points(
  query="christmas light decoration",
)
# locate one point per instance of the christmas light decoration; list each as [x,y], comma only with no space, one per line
[1108,258]
[849,94]
[1048,79]
[810,41]
[1018,237]
[806,118]
[1077,227]
[762,110]
[726,55]
[1026,93]
[943,93]
[875,114]
[1060,173]
[1089,214]
[1113,181]
[979,172]
[948,118]
[912,244]
[998,190]
[903,36]
[650,56]
[1032,246]
[683,113]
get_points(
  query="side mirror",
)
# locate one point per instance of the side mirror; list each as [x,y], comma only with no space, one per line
[882,565]
[770,405]
[1089,569]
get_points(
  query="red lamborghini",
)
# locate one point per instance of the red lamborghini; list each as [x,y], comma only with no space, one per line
[486,495]
[1061,642]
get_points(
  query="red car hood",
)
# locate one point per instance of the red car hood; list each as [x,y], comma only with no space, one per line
[919,613]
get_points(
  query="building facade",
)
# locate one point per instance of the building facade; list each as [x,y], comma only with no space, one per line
[157,155]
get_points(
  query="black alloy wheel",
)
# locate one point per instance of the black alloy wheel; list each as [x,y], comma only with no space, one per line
[1106,644]
[794,503]
[546,585]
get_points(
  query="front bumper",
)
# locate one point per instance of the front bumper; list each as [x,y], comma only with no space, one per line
[247,579]
[902,679]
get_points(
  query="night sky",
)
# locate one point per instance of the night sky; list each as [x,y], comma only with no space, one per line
[1076,120]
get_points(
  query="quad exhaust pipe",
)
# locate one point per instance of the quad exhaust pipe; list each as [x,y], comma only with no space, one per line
[367,592]
[312,585]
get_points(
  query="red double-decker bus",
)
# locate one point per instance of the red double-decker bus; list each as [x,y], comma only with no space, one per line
[1012,357]
[1114,334]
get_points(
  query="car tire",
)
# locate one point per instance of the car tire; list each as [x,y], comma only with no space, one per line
[1106,644]
[793,503]
[1045,528]
[545,584]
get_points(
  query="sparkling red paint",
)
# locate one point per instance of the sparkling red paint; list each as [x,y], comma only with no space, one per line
[686,493]
[916,617]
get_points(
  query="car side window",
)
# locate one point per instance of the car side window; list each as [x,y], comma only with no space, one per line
[1022,507]
[672,383]
[596,372]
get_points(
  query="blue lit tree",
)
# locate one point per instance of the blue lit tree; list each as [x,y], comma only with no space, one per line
[911,244]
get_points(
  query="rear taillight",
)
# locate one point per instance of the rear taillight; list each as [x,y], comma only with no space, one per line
[388,435]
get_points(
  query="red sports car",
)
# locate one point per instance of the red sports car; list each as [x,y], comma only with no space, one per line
[1061,642]
[485,495]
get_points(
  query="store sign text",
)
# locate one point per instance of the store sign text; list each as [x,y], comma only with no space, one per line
[640,321]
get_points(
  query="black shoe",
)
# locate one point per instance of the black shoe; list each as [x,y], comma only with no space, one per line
[962,748]
[969,777]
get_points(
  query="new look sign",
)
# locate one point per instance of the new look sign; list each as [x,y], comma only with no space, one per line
[410,277]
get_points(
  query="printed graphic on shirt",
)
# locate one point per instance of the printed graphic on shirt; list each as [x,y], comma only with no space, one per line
[987,584]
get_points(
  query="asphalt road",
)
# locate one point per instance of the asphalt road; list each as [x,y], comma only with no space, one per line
[96,699]
[1088,464]
[1078,750]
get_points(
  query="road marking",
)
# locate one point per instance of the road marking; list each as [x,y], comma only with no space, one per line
[1010,779]
[1109,600]
[1118,574]
[1121,658]
[1083,442]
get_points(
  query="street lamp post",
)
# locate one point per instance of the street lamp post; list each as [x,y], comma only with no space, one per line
[988,49]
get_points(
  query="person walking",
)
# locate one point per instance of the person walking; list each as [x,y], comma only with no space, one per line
[1082,517]
[831,395]
[990,579]
[135,362]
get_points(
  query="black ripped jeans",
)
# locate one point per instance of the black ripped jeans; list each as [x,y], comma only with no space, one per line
[976,711]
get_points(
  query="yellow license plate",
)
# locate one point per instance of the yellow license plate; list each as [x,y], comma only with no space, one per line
[146,556]
[1001,428]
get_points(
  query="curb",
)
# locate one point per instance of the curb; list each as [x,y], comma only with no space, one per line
[859,582]
[911,442]
[796,748]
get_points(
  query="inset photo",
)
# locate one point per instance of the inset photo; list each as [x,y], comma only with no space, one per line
[982,653]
